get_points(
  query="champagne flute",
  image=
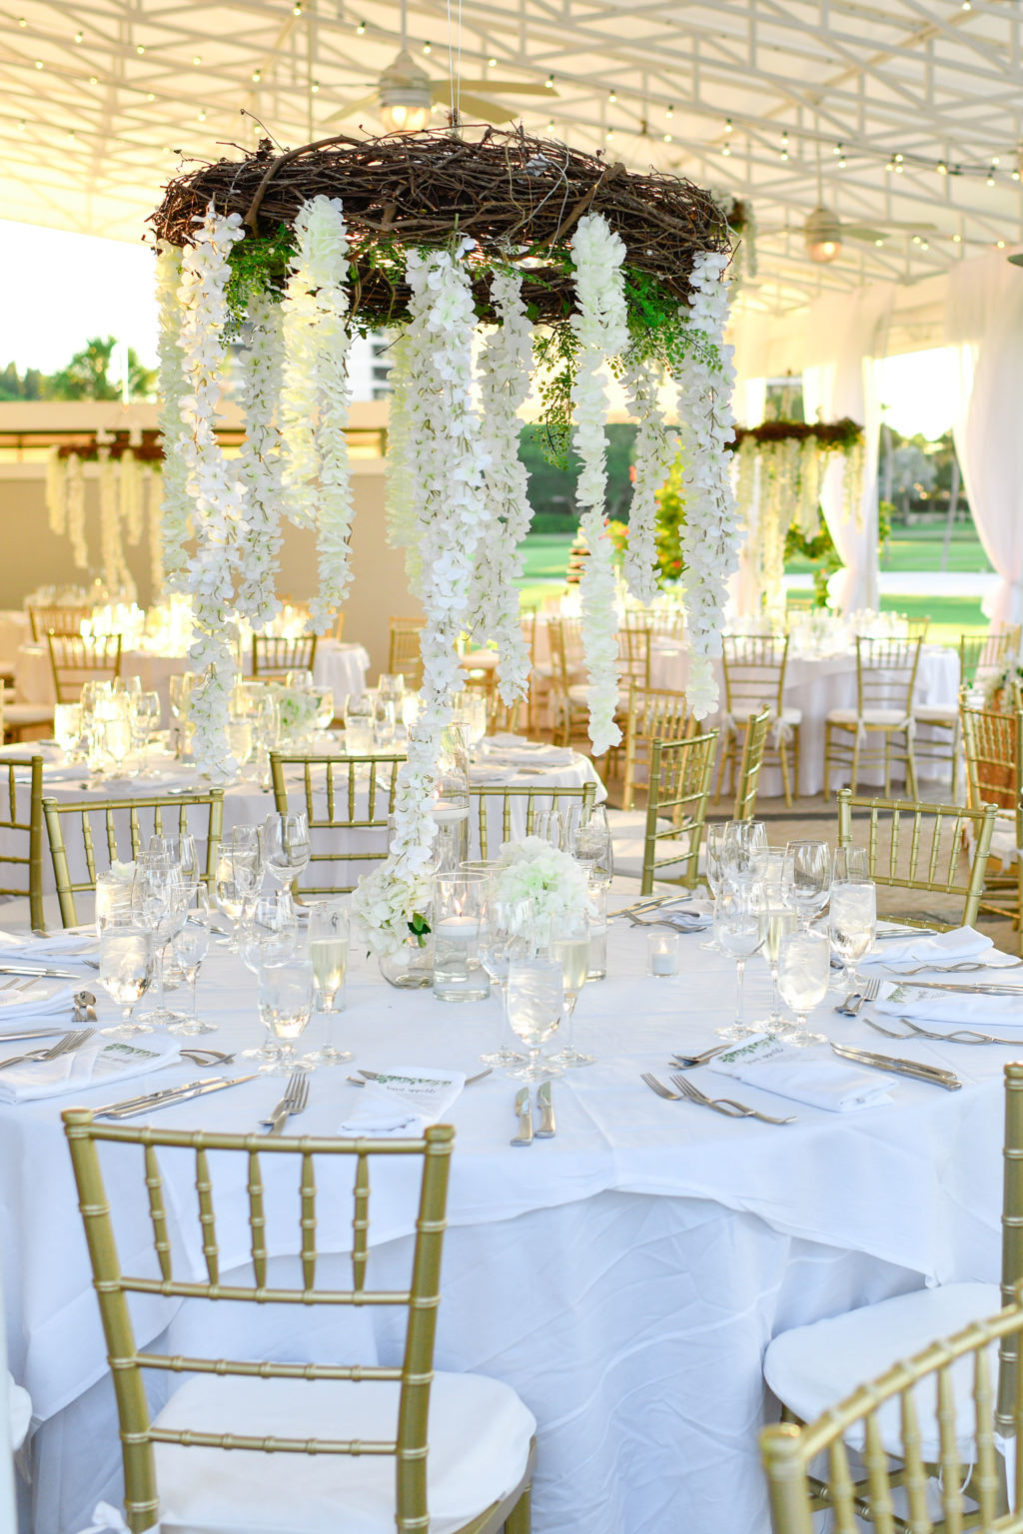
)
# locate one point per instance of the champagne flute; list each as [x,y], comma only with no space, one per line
[328,953]
[571,949]
[808,874]
[189,947]
[852,924]
[738,931]
[804,960]
[159,900]
[535,1004]
[777,921]
[285,1007]
[506,938]
[125,954]
[715,869]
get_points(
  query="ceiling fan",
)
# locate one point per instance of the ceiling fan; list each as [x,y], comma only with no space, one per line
[825,233]
[405,95]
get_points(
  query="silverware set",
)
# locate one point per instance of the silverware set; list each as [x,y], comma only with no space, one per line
[957,1036]
[687,1092]
[899,1067]
[296,1096]
[64,1046]
[547,1128]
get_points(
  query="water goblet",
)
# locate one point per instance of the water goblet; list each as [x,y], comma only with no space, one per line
[125,955]
[328,954]
[286,847]
[358,717]
[808,875]
[804,960]
[852,866]
[159,900]
[777,921]
[738,931]
[506,938]
[852,923]
[591,845]
[285,998]
[535,1005]
[145,721]
[189,947]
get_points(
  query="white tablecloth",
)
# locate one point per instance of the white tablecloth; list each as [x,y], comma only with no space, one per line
[624,1277]
[341,667]
[815,686]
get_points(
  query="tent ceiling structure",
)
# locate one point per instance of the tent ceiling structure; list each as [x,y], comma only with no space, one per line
[903,116]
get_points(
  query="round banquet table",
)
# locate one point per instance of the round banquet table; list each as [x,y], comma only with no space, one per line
[625,1277]
[815,685]
[341,667]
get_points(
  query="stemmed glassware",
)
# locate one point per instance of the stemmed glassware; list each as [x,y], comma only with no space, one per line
[778,920]
[808,874]
[535,1004]
[189,947]
[125,954]
[269,936]
[715,870]
[328,954]
[159,900]
[852,924]
[591,846]
[506,938]
[738,931]
[570,947]
[286,847]
[804,960]
[238,875]
[145,721]
[285,1007]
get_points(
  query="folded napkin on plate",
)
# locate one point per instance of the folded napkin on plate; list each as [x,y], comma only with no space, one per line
[399,1103]
[688,919]
[812,1075]
[929,948]
[490,775]
[956,1007]
[42,999]
[531,756]
[97,1064]
[76,942]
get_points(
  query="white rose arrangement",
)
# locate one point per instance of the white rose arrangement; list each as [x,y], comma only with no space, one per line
[551,880]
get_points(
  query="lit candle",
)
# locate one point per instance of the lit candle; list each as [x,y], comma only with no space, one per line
[662,953]
[458,929]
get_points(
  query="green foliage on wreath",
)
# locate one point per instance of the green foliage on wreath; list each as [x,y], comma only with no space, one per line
[671,519]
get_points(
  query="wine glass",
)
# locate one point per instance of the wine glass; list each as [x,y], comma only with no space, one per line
[358,717]
[235,881]
[715,859]
[851,926]
[535,1002]
[286,847]
[269,936]
[591,845]
[852,866]
[159,900]
[145,721]
[738,932]
[808,874]
[180,850]
[506,938]
[125,954]
[549,826]
[328,954]
[189,947]
[745,850]
[285,1007]
[777,921]
[570,947]
[804,960]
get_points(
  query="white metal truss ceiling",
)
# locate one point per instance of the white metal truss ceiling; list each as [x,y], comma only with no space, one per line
[773,100]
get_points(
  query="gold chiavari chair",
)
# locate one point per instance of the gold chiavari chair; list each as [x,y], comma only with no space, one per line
[921,847]
[504,718]
[680,781]
[348,801]
[754,667]
[274,657]
[993,745]
[391,1446]
[490,807]
[403,651]
[753,747]
[568,689]
[983,656]
[885,678]
[75,661]
[117,826]
[634,641]
[916,628]
[56,618]
[339,626]
[24,838]
[654,713]
[812,1367]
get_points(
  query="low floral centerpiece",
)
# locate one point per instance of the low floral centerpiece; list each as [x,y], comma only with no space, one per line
[549,880]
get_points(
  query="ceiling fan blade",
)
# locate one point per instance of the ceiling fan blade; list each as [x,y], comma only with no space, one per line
[487,111]
[861,232]
[370,103]
[916,226]
[440,90]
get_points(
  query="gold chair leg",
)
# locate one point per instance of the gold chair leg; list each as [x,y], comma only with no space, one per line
[827,760]
[520,1519]
[783,757]
[911,770]
[856,761]
[722,763]
[795,757]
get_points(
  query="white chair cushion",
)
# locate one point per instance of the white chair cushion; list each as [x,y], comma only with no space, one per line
[479,1439]
[936,713]
[28,713]
[814,1367]
[1003,843]
[882,718]
[792,716]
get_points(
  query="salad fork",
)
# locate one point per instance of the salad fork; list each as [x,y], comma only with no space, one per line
[957,1036]
[727,1105]
[65,1046]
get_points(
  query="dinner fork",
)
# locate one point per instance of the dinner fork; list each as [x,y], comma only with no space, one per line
[963,967]
[727,1105]
[957,1036]
[65,1046]
[295,1097]
[855,1000]
[688,1061]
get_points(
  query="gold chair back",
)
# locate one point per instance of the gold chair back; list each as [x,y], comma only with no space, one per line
[920,847]
[75,661]
[171,1275]
[535,801]
[564,635]
[993,744]
[916,628]
[753,747]
[680,780]
[27,835]
[754,667]
[275,657]
[56,618]
[654,713]
[117,825]
[886,673]
[403,653]
[634,654]
[340,795]
[982,656]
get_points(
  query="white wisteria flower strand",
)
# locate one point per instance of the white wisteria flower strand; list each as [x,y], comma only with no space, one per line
[172,386]
[656,450]
[76,512]
[56,492]
[601,329]
[259,466]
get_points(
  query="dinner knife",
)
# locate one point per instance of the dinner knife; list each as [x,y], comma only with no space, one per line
[524,1109]
[43,974]
[965,988]
[130,1106]
[900,1067]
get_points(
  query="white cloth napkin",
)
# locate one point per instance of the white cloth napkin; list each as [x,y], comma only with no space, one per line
[812,1075]
[76,941]
[98,1063]
[956,1007]
[42,999]
[526,755]
[928,948]
[399,1103]
[490,775]
[687,919]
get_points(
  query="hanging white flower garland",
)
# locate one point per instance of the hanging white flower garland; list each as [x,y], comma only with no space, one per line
[172,386]
[152,480]
[710,537]
[56,492]
[505,370]
[601,330]
[213,487]
[259,464]
[656,450]
[76,512]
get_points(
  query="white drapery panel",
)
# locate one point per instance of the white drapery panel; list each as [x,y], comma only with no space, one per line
[845,337]
[984,318]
